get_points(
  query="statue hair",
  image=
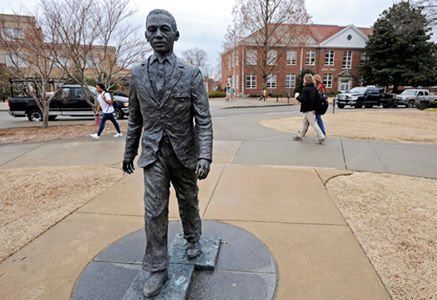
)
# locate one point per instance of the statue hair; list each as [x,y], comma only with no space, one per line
[163,12]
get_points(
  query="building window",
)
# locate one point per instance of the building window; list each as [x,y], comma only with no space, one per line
[271,81]
[12,33]
[362,58]
[327,80]
[291,57]
[290,81]
[329,57]
[236,81]
[236,59]
[272,57]
[15,61]
[251,57]
[251,81]
[229,62]
[310,59]
[347,60]
[60,61]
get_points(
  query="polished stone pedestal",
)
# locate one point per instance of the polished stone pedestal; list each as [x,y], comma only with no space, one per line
[242,268]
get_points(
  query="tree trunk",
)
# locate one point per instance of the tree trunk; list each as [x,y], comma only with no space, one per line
[45,115]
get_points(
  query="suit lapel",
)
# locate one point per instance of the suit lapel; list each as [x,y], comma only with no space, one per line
[174,79]
[147,91]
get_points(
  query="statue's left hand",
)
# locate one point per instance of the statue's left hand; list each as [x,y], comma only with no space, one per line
[202,168]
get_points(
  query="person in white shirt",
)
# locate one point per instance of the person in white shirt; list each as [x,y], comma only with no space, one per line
[106,105]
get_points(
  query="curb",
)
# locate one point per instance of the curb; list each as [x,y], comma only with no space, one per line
[257,106]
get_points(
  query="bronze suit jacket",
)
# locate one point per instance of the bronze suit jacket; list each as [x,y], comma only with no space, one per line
[182,114]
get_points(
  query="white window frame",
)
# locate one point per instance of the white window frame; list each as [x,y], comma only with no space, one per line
[250,81]
[310,58]
[236,81]
[362,57]
[251,57]
[272,57]
[271,81]
[329,57]
[347,60]
[12,60]
[236,59]
[327,80]
[290,81]
[291,57]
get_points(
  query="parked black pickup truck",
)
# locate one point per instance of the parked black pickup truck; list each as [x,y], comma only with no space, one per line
[364,96]
[69,102]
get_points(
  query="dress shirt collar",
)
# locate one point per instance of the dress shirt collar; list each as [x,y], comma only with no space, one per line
[171,58]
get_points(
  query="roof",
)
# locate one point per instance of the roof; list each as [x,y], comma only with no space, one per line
[320,32]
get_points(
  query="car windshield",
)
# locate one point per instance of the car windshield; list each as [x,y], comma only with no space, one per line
[357,90]
[409,92]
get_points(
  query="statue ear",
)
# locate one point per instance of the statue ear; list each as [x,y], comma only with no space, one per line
[176,36]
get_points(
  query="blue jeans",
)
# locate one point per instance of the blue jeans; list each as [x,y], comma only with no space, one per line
[105,117]
[320,123]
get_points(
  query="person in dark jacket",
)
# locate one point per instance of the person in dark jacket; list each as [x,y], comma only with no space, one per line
[308,100]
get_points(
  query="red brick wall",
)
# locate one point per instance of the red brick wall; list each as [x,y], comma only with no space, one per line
[283,69]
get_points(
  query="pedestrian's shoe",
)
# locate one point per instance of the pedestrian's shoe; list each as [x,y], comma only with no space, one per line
[298,138]
[118,134]
[95,136]
[193,250]
[320,141]
[154,283]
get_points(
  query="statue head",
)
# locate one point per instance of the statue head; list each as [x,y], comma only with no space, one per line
[161,31]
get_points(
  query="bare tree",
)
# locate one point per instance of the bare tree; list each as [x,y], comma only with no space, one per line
[92,39]
[271,27]
[195,56]
[429,9]
[28,58]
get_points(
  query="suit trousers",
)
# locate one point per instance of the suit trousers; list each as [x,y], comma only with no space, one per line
[157,177]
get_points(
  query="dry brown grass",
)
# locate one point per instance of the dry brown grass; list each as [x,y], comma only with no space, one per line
[59,132]
[34,199]
[395,220]
[385,125]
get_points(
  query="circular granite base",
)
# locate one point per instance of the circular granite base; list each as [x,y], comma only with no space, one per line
[245,268]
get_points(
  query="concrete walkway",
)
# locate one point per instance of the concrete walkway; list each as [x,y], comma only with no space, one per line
[287,207]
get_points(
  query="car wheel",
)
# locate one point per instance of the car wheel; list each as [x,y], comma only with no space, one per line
[34,116]
[118,114]
[340,105]
[411,104]
[368,106]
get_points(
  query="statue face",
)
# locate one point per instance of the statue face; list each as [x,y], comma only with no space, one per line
[160,34]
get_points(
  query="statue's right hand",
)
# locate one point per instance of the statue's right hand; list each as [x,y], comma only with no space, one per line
[128,166]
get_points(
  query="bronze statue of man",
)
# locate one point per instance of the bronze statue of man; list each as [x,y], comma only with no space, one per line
[169,114]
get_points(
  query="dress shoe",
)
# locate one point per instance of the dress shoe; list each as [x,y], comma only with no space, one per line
[154,283]
[193,250]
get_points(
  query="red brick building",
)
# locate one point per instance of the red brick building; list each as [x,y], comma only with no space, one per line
[334,52]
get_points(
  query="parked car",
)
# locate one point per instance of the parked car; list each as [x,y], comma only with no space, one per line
[69,102]
[359,97]
[414,98]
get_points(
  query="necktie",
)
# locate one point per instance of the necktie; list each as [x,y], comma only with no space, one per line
[160,79]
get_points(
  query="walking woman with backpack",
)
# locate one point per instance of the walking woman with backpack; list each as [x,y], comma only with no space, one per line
[319,85]
[308,100]
[106,105]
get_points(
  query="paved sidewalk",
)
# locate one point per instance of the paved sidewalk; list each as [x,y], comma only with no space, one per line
[286,207]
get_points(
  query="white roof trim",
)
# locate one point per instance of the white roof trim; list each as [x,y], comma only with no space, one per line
[351,26]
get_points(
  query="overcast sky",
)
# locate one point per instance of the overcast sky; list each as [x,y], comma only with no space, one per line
[203,23]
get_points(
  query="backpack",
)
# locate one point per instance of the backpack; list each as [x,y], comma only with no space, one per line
[322,100]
